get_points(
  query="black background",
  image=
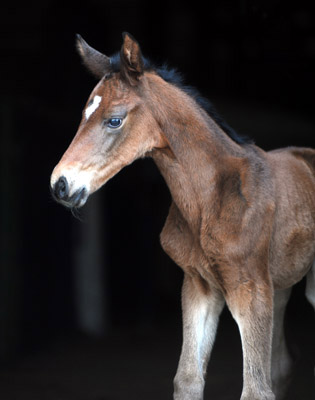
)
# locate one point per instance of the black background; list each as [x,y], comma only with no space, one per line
[254,59]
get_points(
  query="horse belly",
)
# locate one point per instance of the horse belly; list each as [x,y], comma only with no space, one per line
[292,248]
[289,267]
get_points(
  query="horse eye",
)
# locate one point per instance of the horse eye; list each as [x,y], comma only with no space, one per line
[114,122]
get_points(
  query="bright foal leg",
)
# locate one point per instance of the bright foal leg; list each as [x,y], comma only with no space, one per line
[252,307]
[281,361]
[201,311]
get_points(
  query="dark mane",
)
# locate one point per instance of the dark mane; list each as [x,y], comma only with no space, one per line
[172,76]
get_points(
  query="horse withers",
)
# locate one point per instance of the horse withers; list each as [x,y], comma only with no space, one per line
[242,221]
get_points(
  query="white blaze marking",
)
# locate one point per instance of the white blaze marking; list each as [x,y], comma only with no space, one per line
[91,108]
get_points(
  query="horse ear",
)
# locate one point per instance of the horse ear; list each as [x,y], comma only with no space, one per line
[131,59]
[96,62]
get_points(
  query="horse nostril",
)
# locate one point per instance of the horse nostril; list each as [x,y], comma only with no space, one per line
[61,189]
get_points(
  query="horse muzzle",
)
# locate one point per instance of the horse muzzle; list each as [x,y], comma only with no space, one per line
[61,191]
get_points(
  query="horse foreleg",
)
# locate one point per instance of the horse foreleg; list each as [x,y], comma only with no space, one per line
[252,308]
[201,311]
[281,365]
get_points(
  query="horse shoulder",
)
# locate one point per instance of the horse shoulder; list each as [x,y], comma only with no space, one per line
[242,206]
[235,232]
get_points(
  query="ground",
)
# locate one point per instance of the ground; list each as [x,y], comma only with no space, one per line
[139,362]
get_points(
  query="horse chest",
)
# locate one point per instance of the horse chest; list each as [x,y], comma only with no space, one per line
[182,245]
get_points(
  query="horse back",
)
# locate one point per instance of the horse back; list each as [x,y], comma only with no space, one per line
[305,154]
[294,163]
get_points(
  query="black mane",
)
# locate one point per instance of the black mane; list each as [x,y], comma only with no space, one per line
[172,76]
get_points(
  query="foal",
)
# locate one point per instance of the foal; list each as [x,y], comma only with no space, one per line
[241,224]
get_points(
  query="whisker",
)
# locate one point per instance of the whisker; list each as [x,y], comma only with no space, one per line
[76,213]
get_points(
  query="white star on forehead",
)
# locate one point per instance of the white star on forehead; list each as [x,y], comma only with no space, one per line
[93,106]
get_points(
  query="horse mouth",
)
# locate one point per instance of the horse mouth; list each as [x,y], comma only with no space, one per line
[61,193]
[78,199]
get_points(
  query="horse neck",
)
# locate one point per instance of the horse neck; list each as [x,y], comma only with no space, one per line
[197,148]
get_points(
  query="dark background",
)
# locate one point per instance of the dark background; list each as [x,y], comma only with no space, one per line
[91,309]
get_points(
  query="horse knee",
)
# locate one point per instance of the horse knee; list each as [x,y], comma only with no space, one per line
[188,387]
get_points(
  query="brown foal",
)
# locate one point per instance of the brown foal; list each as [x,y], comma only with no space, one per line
[242,220]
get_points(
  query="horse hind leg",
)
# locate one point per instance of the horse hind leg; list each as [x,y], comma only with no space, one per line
[310,286]
[281,362]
